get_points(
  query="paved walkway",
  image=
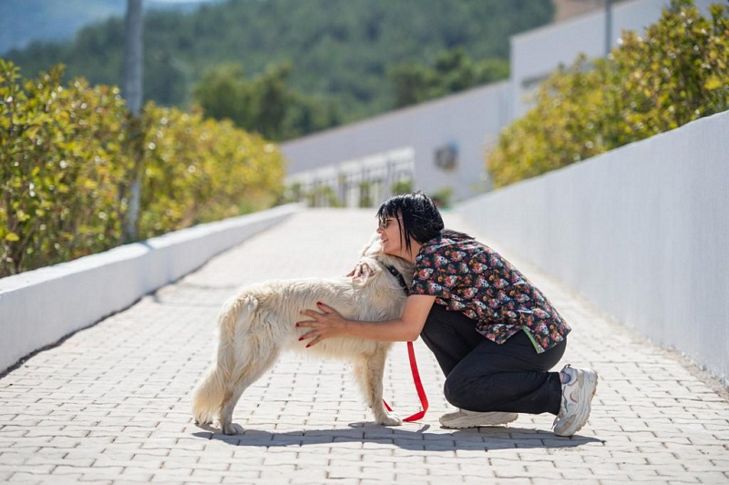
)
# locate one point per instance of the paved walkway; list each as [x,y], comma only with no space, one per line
[112,403]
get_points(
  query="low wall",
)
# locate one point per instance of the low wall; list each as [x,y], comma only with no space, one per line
[39,307]
[641,231]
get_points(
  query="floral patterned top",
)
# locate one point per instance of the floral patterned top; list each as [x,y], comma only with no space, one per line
[469,277]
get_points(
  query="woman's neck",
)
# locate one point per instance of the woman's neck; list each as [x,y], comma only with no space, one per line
[413,253]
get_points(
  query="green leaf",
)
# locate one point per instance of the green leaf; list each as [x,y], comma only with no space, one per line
[713,83]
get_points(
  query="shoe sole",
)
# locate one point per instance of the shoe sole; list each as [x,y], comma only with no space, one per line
[580,419]
[481,424]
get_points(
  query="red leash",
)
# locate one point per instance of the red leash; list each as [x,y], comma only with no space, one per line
[418,388]
[411,354]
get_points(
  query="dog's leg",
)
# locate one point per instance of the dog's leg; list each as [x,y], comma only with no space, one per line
[370,372]
[248,376]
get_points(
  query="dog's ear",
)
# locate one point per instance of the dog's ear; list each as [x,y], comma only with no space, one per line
[373,247]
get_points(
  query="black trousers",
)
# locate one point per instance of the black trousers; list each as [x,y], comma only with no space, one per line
[484,376]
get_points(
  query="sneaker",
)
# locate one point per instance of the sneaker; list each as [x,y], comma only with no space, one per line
[471,419]
[577,394]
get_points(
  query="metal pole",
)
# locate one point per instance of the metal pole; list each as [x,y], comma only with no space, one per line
[608,26]
[132,92]
[132,89]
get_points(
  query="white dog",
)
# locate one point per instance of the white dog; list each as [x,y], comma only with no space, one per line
[257,324]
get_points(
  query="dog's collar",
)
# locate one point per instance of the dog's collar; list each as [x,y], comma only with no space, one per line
[394,272]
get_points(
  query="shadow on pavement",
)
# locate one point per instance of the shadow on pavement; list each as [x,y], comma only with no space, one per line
[495,438]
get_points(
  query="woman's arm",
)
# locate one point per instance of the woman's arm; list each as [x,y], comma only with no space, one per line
[329,323]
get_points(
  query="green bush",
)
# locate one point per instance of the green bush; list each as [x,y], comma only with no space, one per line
[199,170]
[675,74]
[442,197]
[66,169]
[402,187]
[62,168]
[365,194]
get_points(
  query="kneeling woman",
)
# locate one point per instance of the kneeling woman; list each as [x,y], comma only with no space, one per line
[494,335]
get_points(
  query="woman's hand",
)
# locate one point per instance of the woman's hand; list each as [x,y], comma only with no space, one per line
[361,271]
[329,323]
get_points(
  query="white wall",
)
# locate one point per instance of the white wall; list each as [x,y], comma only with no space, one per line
[39,307]
[471,120]
[536,53]
[641,231]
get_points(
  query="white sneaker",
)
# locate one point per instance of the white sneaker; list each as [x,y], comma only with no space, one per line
[577,394]
[471,419]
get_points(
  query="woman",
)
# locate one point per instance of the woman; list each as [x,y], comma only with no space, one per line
[494,335]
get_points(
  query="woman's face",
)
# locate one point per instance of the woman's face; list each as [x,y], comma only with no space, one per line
[389,232]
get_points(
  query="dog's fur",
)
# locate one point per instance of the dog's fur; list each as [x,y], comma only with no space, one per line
[257,324]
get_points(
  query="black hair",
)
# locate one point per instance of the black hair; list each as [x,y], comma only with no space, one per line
[420,217]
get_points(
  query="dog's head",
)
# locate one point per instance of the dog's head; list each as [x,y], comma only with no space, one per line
[373,252]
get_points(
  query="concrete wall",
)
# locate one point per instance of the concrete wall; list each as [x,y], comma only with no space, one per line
[641,231]
[39,307]
[471,120]
[536,53]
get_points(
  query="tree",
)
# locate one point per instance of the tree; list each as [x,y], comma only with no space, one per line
[265,104]
[341,55]
[452,71]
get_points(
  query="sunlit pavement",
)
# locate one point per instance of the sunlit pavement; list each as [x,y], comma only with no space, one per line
[112,402]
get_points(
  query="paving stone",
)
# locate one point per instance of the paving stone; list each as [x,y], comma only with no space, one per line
[111,404]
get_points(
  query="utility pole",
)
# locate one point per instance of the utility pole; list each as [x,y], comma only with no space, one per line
[608,26]
[132,92]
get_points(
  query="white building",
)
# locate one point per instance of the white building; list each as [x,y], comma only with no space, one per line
[437,145]
[440,145]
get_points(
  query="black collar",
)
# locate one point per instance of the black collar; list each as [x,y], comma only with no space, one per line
[394,272]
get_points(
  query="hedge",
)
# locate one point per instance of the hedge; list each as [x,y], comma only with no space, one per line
[199,170]
[676,73]
[66,167]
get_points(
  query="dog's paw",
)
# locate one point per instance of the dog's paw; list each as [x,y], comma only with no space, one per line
[203,423]
[232,428]
[390,420]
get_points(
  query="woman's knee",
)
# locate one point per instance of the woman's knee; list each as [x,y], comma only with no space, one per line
[452,394]
[460,391]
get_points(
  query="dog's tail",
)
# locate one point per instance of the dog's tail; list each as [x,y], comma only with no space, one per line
[218,384]
[208,397]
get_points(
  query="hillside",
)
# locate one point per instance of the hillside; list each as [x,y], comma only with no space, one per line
[343,51]
[25,21]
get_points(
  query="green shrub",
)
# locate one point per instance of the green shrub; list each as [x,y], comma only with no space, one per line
[402,187]
[62,168]
[365,194]
[442,197]
[200,170]
[66,169]
[322,196]
[675,74]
